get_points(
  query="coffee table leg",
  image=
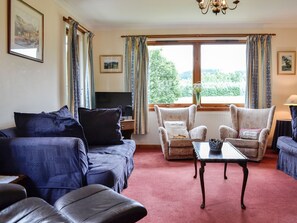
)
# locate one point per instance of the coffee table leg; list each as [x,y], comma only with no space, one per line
[245,177]
[195,163]
[225,170]
[201,173]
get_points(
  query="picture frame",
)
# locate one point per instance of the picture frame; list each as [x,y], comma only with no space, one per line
[286,62]
[25,31]
[111,64]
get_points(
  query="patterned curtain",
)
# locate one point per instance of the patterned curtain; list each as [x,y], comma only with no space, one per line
[73,69]
[80,77]
[88,71]
[136,70]
[258,93]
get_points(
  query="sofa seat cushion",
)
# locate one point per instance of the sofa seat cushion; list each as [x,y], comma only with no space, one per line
[111,165]
[108,170]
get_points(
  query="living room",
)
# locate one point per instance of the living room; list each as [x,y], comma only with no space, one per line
[30,86]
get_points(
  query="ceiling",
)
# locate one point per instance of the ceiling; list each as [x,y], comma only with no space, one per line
[180,14]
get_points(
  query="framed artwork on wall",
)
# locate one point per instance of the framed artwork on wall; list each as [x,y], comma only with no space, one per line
[25,31]
[286,62]
[111,64]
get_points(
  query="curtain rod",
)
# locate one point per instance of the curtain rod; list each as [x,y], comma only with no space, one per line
[80,27]
[199,35]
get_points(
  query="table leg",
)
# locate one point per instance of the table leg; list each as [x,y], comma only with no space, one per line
[225,170]
[245,177]
[195,163]
[201,173]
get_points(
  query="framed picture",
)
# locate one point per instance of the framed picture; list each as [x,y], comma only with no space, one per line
[286,62]
[111,63]
[25,31]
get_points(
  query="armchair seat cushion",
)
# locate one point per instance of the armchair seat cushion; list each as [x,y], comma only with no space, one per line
[186,152]
[247,146]
[180,143]
[247,143]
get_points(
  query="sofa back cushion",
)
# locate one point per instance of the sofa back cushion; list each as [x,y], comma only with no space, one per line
[53,124]
[101,125]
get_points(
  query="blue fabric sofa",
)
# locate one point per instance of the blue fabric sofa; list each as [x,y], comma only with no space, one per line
[58,154]
[287,157]
[58,165]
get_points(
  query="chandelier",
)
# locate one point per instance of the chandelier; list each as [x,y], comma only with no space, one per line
[216,6]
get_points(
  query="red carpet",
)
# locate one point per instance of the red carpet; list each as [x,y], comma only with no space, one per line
[170,194]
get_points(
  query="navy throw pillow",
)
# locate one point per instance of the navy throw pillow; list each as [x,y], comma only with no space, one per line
[63,112]
[101,126]
[293,110]
[48,125]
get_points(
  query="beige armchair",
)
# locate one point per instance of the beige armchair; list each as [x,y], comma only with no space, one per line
[177,131]
[249,131]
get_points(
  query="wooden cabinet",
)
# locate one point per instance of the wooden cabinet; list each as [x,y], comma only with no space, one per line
[127,128]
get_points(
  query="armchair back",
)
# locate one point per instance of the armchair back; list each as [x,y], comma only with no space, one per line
[173,114]
[247,118]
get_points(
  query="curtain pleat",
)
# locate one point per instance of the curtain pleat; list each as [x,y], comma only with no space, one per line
[258,94]
[136,70]
[89,91]
[80,82]
[74,69]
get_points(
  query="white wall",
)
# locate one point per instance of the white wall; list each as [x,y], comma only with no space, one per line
[110,42]
[26,85]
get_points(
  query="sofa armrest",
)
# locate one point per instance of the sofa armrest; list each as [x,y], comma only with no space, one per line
[51,163]
[227,132]
[11,193]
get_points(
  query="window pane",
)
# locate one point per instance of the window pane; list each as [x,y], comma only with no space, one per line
[223,73]
[170,74]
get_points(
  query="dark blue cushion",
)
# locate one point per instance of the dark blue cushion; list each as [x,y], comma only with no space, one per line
[63,112]
[101,126]
[53,124]
[293,110]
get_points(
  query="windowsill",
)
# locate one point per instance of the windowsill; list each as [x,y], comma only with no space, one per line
[203,108]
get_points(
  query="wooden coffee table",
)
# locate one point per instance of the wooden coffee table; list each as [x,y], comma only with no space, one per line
[229,154]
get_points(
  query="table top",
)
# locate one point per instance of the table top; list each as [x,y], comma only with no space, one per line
[229,153]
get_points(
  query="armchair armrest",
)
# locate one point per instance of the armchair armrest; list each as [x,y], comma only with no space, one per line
[198,132]
[227,132]
[263,136]
[11,193]
[164,141]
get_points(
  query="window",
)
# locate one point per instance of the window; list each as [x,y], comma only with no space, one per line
[171,74]
[223,73]
[175,66]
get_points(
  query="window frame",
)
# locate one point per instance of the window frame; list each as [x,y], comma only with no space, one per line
[197,69]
